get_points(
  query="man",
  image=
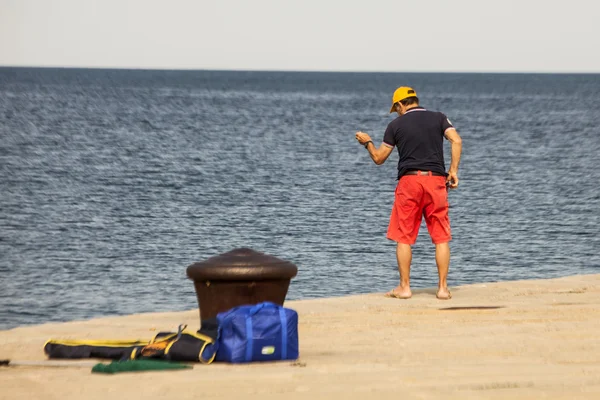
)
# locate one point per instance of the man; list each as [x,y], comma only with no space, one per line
[422,183]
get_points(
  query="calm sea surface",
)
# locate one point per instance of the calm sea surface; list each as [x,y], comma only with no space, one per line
[113,182]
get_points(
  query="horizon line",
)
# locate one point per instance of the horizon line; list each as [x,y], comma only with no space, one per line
[165,69]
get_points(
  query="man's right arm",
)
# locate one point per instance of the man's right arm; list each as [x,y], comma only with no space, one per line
[456,149]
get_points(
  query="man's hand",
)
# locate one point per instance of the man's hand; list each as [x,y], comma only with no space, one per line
[452,179]
[378,155]
[362,137]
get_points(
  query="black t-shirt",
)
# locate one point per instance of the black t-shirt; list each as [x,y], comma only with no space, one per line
[418,135]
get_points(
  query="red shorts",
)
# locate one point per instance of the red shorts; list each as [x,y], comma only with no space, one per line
[417,196]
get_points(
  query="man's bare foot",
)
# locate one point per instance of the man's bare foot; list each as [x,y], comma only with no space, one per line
[400,292]
[443,294]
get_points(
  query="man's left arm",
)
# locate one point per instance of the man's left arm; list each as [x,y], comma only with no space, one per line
[453,137]
[378,155]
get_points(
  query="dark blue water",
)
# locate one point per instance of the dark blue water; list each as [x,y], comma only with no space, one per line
[113,182]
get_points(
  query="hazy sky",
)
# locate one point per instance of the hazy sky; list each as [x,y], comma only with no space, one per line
[330,35]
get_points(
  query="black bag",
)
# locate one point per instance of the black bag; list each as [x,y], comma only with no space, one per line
[182,345]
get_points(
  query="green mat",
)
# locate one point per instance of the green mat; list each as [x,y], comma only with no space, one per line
[116,367]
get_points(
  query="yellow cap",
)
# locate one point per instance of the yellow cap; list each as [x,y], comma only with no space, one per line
[403,92]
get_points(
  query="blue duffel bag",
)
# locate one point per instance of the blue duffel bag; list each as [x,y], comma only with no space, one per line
[261,332]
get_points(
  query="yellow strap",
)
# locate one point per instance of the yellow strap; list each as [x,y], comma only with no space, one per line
[202,360]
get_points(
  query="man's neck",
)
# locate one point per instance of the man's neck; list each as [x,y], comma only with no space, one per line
[412,106]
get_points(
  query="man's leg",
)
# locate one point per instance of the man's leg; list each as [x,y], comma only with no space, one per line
[404,228]
[404,257]
[438,225]
[442,259]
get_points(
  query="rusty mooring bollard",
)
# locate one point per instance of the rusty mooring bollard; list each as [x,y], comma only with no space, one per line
[239,277]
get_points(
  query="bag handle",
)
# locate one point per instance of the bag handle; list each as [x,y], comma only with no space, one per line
[260,306]
[284,329]
[249,340]
[253,310]
[230,312]
[249,331]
